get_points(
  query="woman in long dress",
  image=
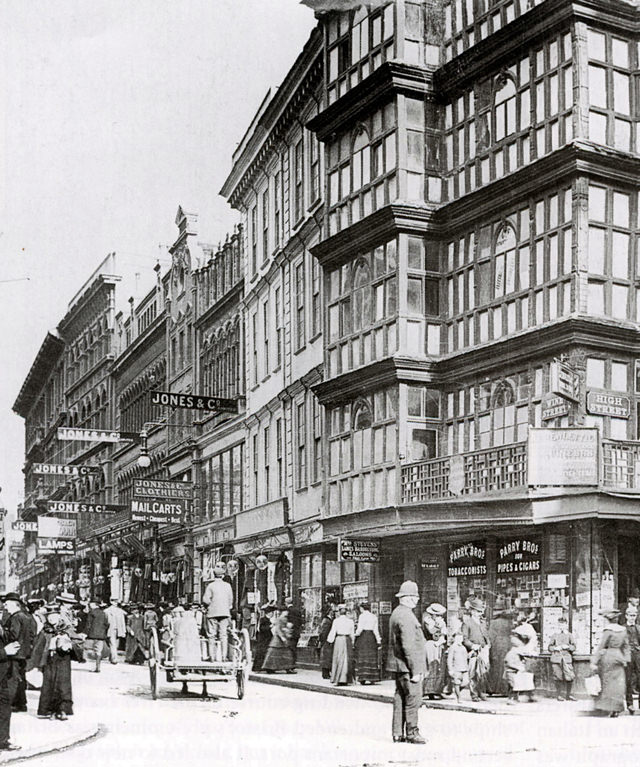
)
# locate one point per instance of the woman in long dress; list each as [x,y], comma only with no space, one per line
[186,638]
[53,650]
[342,636]
[367,643]
[264,635]
[435,632]
[325,649]
[279,655]
[609,661]
[135,650]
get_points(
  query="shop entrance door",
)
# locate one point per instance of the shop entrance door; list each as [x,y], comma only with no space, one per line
[628,568]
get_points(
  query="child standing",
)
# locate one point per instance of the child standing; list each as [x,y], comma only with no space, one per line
[562,647]
[514,663]
[458,663]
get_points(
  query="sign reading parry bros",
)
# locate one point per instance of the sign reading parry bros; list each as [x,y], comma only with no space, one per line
[467,559]
[160,500]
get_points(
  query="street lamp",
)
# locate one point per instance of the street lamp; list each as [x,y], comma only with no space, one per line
[144,460]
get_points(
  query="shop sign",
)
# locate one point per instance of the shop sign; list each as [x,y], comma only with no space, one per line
[24,526]
[430,564]
[56,546]
[554,407]
[62,469]
[355,591]
[518,555]
[350,550]
[564,381]
[158,510]
[194,402]
[616,405]
[385,608]
[467,559]
[560,457]
[83,507]
[162,488]
[87,435]
[54,527]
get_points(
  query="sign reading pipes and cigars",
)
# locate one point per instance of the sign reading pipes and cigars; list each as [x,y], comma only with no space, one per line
[560,457]
[194,402]
[351,550]
[518,555]
[160,500]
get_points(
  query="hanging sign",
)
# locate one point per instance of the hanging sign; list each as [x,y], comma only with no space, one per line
[87,435]
[564,381]
[62,469]
[158,510]
[24,526]
[554,407]
[162,488]
[83,507]
[616,405]
[560,457]
[56,546]
[518,555]
[55,527]
[350,550]
[194,401]
[467,559]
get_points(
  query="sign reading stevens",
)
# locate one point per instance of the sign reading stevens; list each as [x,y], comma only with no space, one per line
[350,550]
[518,555]
[160,500]
[194,401]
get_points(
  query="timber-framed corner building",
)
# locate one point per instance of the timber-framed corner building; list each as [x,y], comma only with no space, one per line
[481,377]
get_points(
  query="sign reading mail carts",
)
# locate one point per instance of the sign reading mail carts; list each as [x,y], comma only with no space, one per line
[158,510]
[194,401]
[351,550]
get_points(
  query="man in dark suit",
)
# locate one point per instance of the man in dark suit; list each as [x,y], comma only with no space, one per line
[294,617]
[19,627]
[407,662]
[8,685]
[475,638]
[96,628]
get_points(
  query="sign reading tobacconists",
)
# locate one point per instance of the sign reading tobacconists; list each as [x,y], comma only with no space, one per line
[518,555]
[194,401]
[616,405]
[350,550]
[467,559]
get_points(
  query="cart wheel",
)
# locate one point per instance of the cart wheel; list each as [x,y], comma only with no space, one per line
[245,644]
[154,659]
[240,683]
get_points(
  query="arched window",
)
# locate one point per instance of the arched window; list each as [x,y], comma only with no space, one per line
[505,261]
[362,418]
[361,294]
[504,104]
[360,160]
[361,424]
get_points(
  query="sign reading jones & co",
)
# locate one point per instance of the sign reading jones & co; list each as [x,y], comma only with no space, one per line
[518,555]
[350,550]
[467,559]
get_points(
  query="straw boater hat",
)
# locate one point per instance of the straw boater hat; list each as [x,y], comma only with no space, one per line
[610,615]
[436,609]
[408,589]
[66,598]
[476,604]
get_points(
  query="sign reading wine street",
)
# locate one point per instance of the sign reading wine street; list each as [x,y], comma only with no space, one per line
[194,402]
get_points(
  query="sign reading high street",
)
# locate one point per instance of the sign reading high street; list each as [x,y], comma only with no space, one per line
[194,402]
[601,403]
[83,507]
[62,469]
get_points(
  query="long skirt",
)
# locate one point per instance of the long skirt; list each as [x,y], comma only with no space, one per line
[279,656]
[341,665]
[366,649]
[260,651]
[55,695]
[434,678]
[326,659]
[612,694]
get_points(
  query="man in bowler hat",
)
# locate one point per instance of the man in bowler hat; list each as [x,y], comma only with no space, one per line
[407,662]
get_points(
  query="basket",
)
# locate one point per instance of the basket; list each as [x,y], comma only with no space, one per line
[593,685]
[523,682]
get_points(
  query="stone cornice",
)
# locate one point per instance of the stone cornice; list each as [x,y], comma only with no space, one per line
[140,343]
[46,359]
[499,49]
[388,79]
[232,297]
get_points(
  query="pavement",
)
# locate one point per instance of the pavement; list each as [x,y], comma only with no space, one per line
[37,737]
[382,692]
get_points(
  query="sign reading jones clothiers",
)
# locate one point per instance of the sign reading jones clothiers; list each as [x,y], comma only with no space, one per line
[467,559]
[194,401]
[160,500]
[560,457]
[350,550]
[518,555]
